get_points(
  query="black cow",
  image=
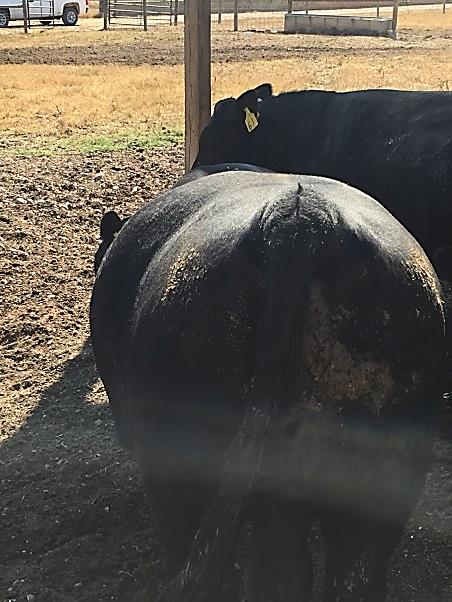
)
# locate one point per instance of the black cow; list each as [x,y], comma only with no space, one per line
[394,145]
[298,313]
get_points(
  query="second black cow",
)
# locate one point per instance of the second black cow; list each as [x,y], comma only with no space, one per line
[394,145]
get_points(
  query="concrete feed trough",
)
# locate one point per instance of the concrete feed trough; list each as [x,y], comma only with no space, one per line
[338,25]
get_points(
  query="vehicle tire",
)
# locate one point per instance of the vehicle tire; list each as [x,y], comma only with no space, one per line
[4,18]
[70,15]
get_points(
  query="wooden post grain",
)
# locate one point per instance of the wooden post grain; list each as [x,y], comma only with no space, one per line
[236,15]
[197,74]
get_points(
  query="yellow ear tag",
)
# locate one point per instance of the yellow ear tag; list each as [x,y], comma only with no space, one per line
[251,121]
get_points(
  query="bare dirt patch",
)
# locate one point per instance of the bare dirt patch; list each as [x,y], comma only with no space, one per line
[164,46]
[75,524]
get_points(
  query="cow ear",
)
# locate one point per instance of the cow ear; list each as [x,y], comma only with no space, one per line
[264,91]
[250,99]
[110,225]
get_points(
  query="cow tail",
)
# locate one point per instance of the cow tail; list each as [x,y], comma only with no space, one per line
[215,542]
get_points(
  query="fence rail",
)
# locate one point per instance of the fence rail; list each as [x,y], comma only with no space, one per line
[246,6]
[123,13]
[240,14]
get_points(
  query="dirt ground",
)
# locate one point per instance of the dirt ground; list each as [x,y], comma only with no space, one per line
[74,522]
[227,46]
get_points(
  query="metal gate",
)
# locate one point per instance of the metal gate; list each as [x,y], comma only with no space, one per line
[139,13]
[40,12]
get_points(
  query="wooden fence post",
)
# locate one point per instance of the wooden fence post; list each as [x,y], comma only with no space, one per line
[444,7]
[145,15]
[289,6]
[106,13]
[197,48]
[236,15]
[220,10]
[378,8]
[395,15]
[307,6]
[176,11]
[25,11]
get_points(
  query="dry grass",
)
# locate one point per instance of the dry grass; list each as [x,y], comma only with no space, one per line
[64,101]
[426,19]
[75,100]
[89,33]
[338,73]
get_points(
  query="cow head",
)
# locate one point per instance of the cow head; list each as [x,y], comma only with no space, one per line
[110,225]
[229,137]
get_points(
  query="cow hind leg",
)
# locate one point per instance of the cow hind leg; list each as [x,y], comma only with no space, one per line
[176,509]
[280,564]
[358,555]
